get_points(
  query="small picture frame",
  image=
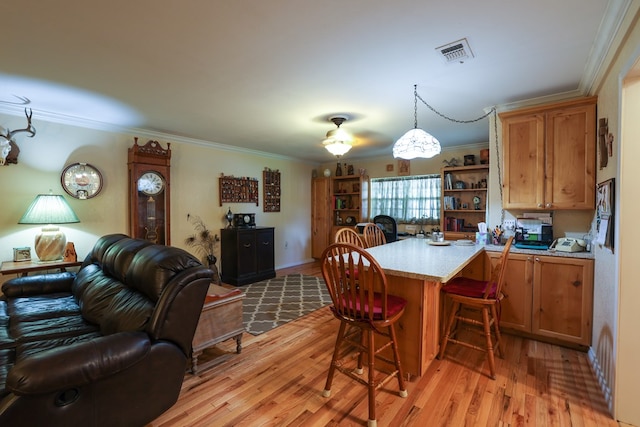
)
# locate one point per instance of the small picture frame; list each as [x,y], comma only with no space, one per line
[404,167]
[22,254]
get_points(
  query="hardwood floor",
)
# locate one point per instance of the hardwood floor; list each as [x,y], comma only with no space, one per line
[278,378]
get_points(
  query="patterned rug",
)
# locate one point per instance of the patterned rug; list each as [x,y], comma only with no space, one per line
[272,303]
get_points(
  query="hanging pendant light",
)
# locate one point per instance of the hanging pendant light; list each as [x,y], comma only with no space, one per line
[338,141]
[416,142]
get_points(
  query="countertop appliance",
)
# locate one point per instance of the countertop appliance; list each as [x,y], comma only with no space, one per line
[533,234]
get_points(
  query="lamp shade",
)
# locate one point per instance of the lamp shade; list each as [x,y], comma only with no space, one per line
[49,209]
[416,143]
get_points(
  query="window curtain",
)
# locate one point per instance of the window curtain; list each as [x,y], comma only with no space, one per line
[407,199]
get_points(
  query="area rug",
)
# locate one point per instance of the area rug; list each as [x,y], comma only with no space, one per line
[272,303]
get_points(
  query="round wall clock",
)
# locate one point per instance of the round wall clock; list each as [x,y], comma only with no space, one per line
[81,180]
[151,183]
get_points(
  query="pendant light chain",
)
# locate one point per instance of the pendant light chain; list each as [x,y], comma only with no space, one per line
[449,118]
[415,106]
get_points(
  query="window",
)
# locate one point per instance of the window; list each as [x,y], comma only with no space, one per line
[411,198]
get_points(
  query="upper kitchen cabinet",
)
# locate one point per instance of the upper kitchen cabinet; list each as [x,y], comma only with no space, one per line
[550,156]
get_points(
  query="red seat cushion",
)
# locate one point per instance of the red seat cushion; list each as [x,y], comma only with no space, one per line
[469,287]
[395,304]
[355,273]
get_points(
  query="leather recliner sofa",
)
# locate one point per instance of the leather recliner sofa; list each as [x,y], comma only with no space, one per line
[106,346]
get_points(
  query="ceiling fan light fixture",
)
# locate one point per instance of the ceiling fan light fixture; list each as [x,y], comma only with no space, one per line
[416,142]
[338,141]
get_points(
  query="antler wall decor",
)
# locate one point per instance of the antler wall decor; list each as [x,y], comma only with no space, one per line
[9,150]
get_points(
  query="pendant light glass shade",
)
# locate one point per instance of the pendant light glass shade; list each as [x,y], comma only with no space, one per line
[338,141]
[416,142]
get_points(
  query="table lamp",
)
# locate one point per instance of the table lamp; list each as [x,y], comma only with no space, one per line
[49,209]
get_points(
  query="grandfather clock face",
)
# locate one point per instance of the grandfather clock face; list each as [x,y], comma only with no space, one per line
[149,192]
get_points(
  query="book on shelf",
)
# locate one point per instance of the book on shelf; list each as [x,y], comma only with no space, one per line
[450,203]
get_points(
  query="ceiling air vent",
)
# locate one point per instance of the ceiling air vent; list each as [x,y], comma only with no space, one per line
[458,51]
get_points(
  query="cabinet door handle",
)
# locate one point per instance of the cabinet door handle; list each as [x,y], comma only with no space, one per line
[247,245]
[548,205]
[266,243]
[576,283]
[537,259]
[539,205]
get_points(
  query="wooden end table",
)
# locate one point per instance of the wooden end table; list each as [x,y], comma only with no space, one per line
[23,268]
[221,319]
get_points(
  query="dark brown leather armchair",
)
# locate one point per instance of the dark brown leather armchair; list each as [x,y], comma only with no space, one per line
[106,346]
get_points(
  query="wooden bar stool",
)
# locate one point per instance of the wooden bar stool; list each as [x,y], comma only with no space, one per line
[366,307]
[471,296]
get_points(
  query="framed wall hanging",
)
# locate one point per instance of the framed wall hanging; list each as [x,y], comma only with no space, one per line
[271,190]
[238,190]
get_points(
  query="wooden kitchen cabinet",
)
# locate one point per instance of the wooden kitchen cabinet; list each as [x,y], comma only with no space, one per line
[548,297]
[247,255]
[563,298]
[320,215]
[550,156]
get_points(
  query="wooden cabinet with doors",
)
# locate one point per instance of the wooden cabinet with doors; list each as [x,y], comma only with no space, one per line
[463,202]
[247,255]
[548,297]
[320,215]
[550,156]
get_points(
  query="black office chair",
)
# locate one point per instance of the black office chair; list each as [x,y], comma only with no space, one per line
[388,225]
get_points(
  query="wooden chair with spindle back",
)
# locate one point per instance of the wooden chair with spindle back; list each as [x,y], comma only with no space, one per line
[349,235]
[373,235]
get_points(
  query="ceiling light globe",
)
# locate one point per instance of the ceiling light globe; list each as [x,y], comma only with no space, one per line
[337,148]
[416,143]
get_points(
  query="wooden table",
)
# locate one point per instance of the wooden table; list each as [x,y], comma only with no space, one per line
[416,271]
[221,319]
[23,268]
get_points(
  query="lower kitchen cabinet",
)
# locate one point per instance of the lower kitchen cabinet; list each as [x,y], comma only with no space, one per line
[548,297]
[247,255]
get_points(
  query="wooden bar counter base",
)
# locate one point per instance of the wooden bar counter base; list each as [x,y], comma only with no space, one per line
[221,319]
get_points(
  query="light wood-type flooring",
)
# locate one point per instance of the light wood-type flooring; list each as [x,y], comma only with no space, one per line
[278,378]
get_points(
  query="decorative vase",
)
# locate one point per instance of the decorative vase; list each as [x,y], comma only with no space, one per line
[327,172]
[350,170]
[229,217]
[339,170]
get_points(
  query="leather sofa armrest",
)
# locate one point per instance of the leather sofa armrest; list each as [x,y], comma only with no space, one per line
[77,364]
[39,284]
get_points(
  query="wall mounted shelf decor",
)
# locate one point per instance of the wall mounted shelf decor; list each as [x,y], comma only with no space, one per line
[238,190]
[271,190]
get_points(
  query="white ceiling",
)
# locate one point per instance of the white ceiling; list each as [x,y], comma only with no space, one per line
[267,74]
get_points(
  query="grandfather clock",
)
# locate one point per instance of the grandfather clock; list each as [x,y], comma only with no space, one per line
[149,192]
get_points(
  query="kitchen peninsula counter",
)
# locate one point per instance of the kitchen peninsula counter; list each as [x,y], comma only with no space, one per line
[416,271]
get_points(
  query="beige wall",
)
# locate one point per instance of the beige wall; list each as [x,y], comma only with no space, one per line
[194,188]
[376,167]
[616,337]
